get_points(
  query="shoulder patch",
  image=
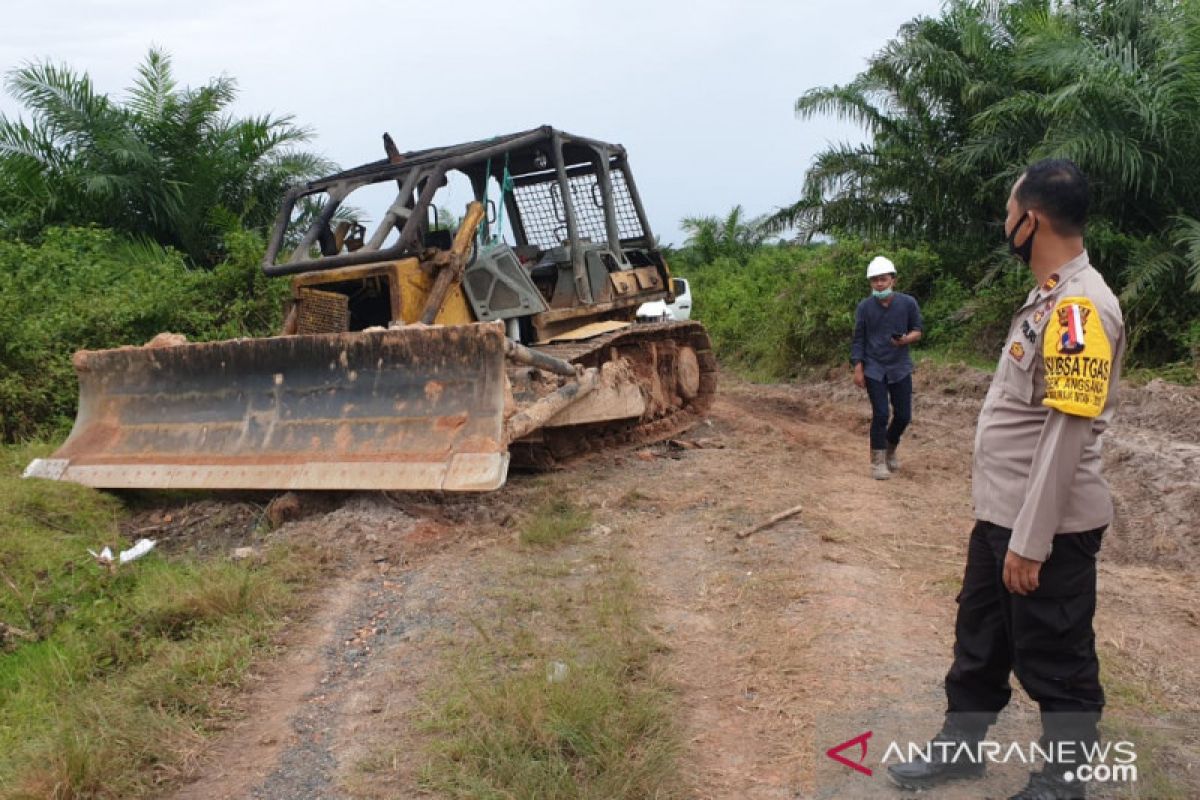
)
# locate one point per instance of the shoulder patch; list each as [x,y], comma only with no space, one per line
[1078,359]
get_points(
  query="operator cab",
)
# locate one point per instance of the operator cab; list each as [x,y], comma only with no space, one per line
[580,239]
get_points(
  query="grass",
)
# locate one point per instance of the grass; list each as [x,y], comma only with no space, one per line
[1184,373]
[1132,696]
[558,695]
[554,522]
[1126,684]
[116,676]
[1156,767]
[949,584]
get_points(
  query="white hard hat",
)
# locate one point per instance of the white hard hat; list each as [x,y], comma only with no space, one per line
[880,266]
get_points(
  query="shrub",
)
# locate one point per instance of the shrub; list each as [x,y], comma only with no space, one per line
[90,288]
[786,307]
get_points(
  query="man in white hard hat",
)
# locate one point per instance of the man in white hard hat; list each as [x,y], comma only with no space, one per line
[885,324]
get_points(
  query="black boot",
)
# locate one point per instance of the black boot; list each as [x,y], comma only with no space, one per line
[1046,785]
[950,761]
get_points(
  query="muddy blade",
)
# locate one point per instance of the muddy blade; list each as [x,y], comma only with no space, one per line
[416,408]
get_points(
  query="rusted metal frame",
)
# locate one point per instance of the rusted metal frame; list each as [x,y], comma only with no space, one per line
[479,187]
[448,159]
[279,230]
[514,219]
[403,198]
[454,264]
[537,415]
[427,186]
[473,152]
[479,175]
[481,150]
[623,163]
[376,173]
[336,262]
[524,355]
[604,179]
[468,153]
[336,194]
[549,175]
[582,288]
[614,149]
[404,247]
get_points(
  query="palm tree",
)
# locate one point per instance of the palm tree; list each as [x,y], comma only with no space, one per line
[1121,97]
[169,163]
[733,236]
[956,105]
[916,100]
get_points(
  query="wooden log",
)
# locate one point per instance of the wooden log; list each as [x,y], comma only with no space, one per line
[782,515]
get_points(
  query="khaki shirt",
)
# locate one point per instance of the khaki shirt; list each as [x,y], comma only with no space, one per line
[1037,469]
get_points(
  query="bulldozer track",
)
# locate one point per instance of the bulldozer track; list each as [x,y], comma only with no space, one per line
[650,347]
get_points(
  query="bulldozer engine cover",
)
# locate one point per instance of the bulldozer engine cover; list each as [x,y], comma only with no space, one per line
[407,409]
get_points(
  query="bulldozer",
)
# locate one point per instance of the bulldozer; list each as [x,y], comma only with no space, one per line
[419,354]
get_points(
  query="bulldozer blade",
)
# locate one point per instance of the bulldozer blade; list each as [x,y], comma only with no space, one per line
[406,409]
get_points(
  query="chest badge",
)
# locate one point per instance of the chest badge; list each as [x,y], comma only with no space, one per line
[1017,351]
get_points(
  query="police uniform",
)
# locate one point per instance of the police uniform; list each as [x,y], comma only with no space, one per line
[1038,490]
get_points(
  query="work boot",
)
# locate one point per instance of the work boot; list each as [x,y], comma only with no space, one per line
[920,774]
[893,463]
[1046,785]
[879,468]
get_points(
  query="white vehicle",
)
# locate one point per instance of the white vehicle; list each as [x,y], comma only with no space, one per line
[679,310]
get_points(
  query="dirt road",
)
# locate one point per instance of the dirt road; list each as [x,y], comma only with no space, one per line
[832,623]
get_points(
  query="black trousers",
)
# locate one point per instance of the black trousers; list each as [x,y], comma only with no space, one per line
[900,393]
[1045,637]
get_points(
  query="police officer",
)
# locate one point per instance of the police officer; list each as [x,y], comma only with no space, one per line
[1041,504]
[885,324]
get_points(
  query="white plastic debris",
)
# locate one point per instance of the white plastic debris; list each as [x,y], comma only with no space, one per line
[104,556]
[556,672]
[139,549]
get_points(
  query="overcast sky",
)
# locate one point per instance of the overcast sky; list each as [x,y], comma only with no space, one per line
[701,93]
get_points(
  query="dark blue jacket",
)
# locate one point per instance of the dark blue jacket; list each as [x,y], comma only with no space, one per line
[874,326]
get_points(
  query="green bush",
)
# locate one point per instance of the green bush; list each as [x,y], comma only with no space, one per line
[739,302]
[785,308]
[89,288]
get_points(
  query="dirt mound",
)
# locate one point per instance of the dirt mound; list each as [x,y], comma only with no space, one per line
[359,515]
[953,380]
[1161,406]
[1152,462]
[204,525]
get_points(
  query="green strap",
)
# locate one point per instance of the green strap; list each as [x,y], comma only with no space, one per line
[506,185]
[487,181]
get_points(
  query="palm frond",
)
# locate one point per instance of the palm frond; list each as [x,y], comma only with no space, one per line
[154,88]
[1185,234]
[1150,264]
[848,103]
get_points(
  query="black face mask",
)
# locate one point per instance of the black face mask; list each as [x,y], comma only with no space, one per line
[1023,251]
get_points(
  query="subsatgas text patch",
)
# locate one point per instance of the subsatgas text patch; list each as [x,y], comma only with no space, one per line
[1077,358]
